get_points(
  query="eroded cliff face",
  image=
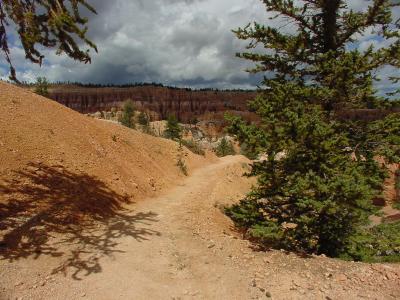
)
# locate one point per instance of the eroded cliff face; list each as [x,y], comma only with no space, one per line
[187,105]
[158,101]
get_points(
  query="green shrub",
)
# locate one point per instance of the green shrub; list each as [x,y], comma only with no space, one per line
[128,114]
[42,86]
[173,130]
[180,160]
[247,151]
[143,119]
[380,243]
[194,147]
[224,148]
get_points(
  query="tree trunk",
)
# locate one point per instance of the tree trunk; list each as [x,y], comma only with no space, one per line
[329,16]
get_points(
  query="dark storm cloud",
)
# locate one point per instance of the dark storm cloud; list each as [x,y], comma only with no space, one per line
[175,42]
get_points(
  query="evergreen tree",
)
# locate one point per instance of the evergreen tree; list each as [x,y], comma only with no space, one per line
[322,56]
[316,186]
[224,148]
[173,130]
[128,114]
[42,86]
[47,23]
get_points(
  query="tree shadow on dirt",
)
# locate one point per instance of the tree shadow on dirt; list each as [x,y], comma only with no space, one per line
[54,212]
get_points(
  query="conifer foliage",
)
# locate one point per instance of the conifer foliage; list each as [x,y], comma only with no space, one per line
[173,130]
[317,182]
[48,23]
[128,114]
[224,148]
[42,86]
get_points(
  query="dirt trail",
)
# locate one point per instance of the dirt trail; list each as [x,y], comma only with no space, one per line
[181,246]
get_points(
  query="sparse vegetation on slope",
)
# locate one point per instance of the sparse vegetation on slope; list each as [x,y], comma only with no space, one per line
[181,160]
[380,243]
[224,148]
[193,146]
[42,87]
[128,114]
[143,119]
[173,130]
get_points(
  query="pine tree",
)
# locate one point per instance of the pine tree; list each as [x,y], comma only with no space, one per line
[173,130]
[49,23]
[128,114]
[321,56]
[42,86]
[316,186]
[224,148]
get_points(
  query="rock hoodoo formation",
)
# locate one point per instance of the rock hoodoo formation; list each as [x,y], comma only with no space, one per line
[159,101]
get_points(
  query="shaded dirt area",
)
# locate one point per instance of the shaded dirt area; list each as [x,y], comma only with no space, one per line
[44,202]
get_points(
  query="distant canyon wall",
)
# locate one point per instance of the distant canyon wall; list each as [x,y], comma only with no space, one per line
[158,101]
[186,104]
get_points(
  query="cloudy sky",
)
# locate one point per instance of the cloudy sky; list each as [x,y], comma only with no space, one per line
[174,42]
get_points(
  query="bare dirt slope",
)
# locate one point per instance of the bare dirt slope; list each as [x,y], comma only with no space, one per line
[58,167]
[180,246]
[35,130]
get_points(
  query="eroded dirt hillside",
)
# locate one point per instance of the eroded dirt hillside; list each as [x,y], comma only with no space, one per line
[60,167]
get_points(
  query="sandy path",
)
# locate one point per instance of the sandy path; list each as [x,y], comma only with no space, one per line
[157,251]
[180,246]
[179,259]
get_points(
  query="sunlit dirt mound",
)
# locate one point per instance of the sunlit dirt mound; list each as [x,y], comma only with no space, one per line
[58,167]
